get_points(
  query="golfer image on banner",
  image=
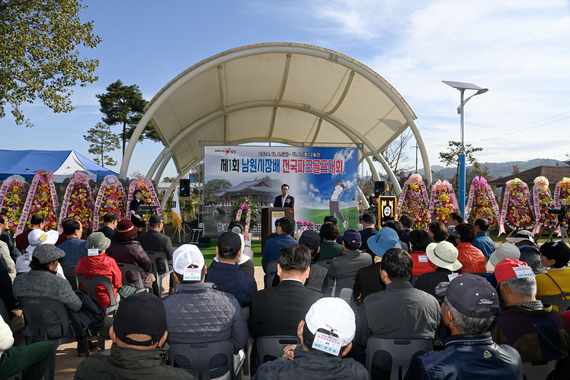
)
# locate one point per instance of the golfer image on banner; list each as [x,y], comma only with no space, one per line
[334,203]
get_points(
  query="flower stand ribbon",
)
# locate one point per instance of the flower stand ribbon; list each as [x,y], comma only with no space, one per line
[414,201]
[111,198]
[12,199]
[542,203]
[77,202]
[442,201]
[42,199]
[482,202]
[517,208]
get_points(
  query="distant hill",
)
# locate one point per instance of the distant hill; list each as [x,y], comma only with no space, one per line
[498,169]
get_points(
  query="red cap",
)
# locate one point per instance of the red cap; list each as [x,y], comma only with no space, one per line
[505,270]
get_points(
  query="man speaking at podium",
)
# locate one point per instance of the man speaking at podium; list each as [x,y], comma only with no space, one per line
[284,200]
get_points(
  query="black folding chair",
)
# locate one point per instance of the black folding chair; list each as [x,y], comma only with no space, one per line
[90,283]
[125,268]
[199,356]
[159,260]
[402,351]
[34,309]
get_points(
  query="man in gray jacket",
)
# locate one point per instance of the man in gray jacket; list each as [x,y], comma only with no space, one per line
[197,313]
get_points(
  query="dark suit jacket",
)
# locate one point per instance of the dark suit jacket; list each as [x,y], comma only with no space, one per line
[155,241]
[365,234]
[278,311]
[278,202]
[108,232]
[368,281]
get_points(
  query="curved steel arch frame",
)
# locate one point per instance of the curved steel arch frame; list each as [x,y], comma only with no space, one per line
[304,50]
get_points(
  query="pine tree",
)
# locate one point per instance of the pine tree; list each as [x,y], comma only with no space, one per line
[102,140]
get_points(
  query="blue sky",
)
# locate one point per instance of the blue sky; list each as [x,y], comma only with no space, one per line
[518,49]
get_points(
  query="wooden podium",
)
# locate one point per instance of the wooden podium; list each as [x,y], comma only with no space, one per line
[268,217]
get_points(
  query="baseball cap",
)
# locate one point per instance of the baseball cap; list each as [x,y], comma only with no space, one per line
[444,255]
[332,314]
[46,253]
[503,251]
[140,313]
[229,242]
[187,256]
[468,294]
[509,268]
[311,240]
[352,236]
[37,237]
[522,235]
[98,240]
[387,238]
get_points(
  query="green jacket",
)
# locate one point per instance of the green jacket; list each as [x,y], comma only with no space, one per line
[129,363]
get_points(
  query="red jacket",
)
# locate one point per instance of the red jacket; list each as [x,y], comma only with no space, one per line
[472,258]
[421,263]
[101,265]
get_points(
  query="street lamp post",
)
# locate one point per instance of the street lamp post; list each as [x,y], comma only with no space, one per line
[462,86]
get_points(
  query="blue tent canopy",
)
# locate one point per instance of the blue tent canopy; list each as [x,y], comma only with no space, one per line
[63,163]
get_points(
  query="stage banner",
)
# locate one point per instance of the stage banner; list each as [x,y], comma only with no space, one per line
[322,180]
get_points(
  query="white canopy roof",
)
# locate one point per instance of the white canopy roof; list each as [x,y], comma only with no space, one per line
[276,92]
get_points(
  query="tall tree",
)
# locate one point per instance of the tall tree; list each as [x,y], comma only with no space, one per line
[102,140]
[124,105]
[214,186]
[38,56]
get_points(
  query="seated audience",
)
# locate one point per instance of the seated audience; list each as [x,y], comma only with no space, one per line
[399,312]
[318,274]
[73,246]
[41,282]
[351,258]
[97,263]
[139,344]
[471,258]
[536,331]
[368,281]
[197,313]
[155,241]
[6,259]
[407,222]
[419,240]
[311,360]
[368,229]
[6,293]
[225,273]
[454,219]
[483,242]
[443,256]
[469,307]
[126,249]
[36,223]
[284,228]
[503,251]
[244,260]
[526,243]
[278,310]
[397,226]
[555,257]
[329,247]
[110,222]
[37,237]
[387,238]
[33,358]
[5,236]
[438,231]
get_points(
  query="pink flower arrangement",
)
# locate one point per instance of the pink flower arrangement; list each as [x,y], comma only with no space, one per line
[443,201]
[517,201]
[414,201]
[542,203]
[482,203]
[13,202]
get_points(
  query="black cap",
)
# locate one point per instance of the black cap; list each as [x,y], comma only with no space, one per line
[311,240]
[229,243]
[141,313]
